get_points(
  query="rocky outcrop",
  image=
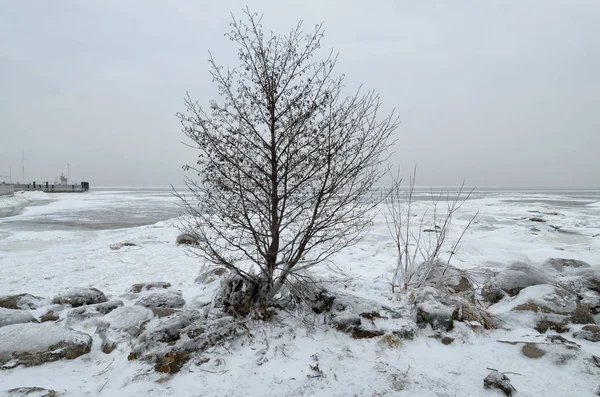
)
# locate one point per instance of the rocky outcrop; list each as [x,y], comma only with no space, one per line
[441,274]
[161,298]
[79,296]
[21,302]
[122,324]
[137,288]
[513,279]
[186,239]
[432,309]
[589,332]
[92,311]
[35,344]
[10,316]
[31,392]
[211,275]
[562,264]
[170,345]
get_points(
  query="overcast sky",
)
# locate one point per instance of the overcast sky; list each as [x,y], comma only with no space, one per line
[497,93]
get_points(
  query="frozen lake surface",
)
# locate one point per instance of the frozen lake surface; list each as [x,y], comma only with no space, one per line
[52,241]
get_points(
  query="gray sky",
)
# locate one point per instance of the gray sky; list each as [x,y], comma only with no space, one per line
[497,93]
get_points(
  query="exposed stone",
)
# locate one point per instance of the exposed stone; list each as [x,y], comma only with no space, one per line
[92,311]
[441,274]
[562,264]
[161,312]
[211,275]
[582,315]
[447,340]
[32,392]
[589,332]
[137,288]
[497,380]
[537,219]
[512,280]
[186,239]
[531,350]
[431,310]
[569,344]
[128,319]
[170,345]
[34,344]
[79,296]
[118,246]
[11,316]
[49,316]
[546,324]
[161,298]
[22,302]
[546,299]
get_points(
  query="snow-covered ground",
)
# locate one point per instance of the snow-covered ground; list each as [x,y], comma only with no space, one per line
[49,242]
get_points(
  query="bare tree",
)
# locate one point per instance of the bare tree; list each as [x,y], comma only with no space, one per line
[287,161]
[419,244]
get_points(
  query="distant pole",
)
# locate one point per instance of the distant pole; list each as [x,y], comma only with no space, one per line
[10,174]
[23,163]
[68,172]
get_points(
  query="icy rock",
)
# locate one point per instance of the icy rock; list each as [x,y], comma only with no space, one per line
[121,324]
[545,324]
[79,296]
[118,246]
[441,274]
[161,312]
[10,316]
[211,275]
[589,332]
[545,299]
[137,288]
[161,298]
[35,344]
[497,380]
[562,264]
[129,319]
[432,310]
[31,392]
[170,345]
[513,279]
[92,311]
[532,350]
[186,239]
[21,301]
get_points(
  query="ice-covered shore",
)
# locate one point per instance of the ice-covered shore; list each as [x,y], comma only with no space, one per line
[43,263]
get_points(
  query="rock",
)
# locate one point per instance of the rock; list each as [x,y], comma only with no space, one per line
[186,239]
[92,311]
[589,332]
[431,310]
[79,296]
[161,298]
[497,380]
[11,316]
[118,246]
[170,345]
[569,344]
[32,392]
[211,275]
[345,322]
[49,316]
[561,264]
[513,279]
[129,319]
[447,340]
[161,312]
[137,288]
[582,315]
[441,274]
[537,219]
[545,299]
[531,350]
[22,302]
[546,324]
[34,344]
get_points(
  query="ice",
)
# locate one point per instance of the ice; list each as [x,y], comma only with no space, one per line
[40,259]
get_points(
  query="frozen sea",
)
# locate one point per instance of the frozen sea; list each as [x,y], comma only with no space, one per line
[52,241]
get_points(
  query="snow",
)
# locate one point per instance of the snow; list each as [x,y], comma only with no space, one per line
[43,259]
[10,316]
[35,337]
[128,317]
